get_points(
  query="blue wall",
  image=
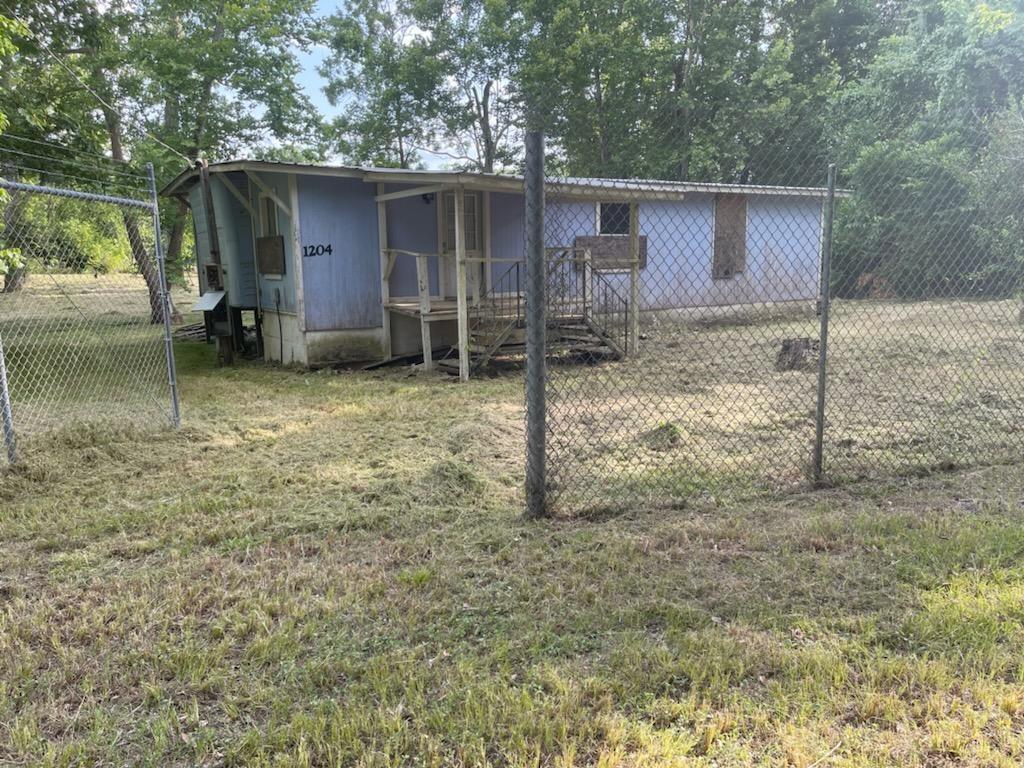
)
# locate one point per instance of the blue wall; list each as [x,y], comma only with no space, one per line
[286,283]
[341,289]
[782,249]
[507,212]
[784,246]
[235,231]
[234,235]
[201,232]
[412,226]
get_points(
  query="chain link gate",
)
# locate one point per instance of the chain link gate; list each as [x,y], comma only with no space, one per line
[85,309]
[789,322]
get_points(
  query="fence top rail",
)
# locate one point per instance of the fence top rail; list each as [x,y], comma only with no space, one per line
[17,186]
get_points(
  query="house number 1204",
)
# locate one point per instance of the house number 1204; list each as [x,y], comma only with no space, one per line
[317,250]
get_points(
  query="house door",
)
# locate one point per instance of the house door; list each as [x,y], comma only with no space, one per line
[473,229]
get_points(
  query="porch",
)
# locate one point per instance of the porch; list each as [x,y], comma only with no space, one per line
[469,291]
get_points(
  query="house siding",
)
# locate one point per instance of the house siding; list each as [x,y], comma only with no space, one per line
[235,232]
[412,226]
[507,217]
[234,235]
[783,249]
[286,282]
[341,290]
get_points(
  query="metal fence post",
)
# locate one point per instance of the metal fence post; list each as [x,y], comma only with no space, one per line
[165,296]
[5,409]
[536,501]
[825,299]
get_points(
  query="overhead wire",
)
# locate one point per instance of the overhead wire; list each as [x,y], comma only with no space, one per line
[63,175]
[71,162]
[55,145]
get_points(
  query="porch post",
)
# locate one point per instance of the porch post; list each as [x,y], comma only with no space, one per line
[488,269]
[423,286]
[385,281]
[460,284]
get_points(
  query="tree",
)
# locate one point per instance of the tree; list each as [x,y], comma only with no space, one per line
[206,78]
[696,90]
[916,135]
[479,44]
[426,76]
[10,258]
[998,185]
[384,72]
[218,78]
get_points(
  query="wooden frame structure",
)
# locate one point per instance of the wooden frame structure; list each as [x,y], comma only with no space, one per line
[425,309]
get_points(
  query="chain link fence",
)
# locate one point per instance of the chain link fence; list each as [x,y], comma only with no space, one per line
[84,304]
[793,312]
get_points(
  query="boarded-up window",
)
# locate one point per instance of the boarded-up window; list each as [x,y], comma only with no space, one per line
[730,255]
[270,255]
[472,224]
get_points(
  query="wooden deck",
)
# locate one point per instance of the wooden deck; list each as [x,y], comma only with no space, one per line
[448,309]
[440,309]
[503,308]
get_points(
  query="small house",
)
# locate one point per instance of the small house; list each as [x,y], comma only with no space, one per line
[341,263]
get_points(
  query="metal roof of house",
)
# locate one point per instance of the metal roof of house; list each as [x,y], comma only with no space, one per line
[566,186]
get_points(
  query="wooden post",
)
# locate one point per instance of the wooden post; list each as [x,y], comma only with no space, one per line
[300,301]
[385,282]
[460,284]
[423,286]
[634,277]
[488,269]
[588,285]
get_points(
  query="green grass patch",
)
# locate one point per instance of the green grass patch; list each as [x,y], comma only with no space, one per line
[332,569]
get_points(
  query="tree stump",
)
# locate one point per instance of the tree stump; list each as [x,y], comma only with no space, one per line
[797,354]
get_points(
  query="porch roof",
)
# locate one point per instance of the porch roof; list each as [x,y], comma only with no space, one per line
[594,188]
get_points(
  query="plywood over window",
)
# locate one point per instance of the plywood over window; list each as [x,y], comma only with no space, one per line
[730,253]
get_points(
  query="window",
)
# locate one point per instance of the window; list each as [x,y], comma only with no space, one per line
[269,211]
[472,224]
[613,218]
[730,248]
[610,250]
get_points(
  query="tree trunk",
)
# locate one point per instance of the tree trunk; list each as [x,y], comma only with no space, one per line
[177,234]
[140,255]
[482,109]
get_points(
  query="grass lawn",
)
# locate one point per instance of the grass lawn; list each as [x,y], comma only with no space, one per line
[911,386]
[331,569]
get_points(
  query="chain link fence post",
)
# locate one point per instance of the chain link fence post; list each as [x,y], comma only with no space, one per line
[536,426]
[165,301]
[824,299]
[5,410]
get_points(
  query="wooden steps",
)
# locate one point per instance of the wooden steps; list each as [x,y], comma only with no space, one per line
[578,338]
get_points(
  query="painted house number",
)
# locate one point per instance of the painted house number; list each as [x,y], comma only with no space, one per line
[317,250]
